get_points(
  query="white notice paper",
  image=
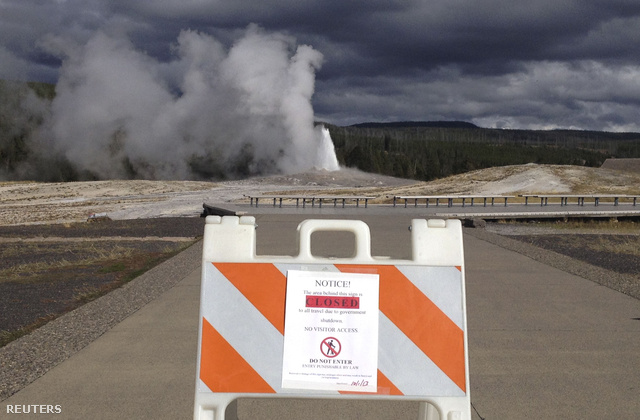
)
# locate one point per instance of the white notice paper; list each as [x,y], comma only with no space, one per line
[331,331]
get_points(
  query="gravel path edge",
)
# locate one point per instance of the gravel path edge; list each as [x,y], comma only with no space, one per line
[622,283]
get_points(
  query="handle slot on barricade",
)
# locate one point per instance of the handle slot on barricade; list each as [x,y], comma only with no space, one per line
[359,229]
[333,245]
[327,326]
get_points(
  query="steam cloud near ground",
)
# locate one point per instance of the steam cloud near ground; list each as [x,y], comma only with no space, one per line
[211,112]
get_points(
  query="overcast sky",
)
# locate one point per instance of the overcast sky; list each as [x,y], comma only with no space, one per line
[497,63]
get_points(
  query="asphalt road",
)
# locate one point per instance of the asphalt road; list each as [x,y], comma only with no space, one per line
[542,344]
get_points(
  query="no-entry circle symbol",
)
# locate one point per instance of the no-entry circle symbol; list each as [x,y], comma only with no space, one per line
[330,347]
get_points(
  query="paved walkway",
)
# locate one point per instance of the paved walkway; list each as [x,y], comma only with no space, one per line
[542,344]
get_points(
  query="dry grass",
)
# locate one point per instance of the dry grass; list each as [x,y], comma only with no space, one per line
[70,256]
[598,225]
[625,245]
[67,275]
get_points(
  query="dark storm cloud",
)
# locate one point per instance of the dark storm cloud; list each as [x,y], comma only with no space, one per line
[541,63]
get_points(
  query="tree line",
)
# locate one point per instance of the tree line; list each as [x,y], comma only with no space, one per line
[430,150]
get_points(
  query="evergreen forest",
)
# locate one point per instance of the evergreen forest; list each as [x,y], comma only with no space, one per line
[430,150]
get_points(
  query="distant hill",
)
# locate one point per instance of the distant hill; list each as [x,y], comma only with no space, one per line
[9,89]
[413,124]
[43,90]
[18,120]
[435,149]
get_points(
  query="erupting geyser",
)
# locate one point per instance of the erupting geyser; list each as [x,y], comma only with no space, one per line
[327,158]
[210,112]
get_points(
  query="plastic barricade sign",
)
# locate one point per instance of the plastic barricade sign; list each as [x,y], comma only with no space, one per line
[360,327]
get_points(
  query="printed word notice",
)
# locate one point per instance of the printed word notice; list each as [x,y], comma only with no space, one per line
[331,331]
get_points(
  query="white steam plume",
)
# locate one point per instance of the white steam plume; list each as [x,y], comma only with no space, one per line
[210,112]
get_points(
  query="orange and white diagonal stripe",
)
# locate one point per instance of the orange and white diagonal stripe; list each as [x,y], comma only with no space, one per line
[421,338]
